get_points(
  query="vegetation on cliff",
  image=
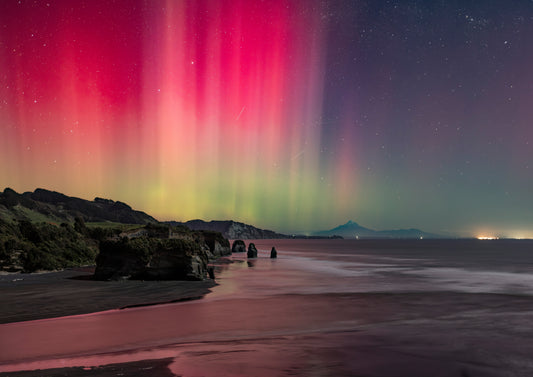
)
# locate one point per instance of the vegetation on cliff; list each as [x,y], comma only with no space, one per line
[49,206]
[153,251]
[29,247]
[46,230]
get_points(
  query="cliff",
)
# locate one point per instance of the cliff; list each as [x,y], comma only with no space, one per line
[50,206]
[159,252]
[231,229]
[145,258]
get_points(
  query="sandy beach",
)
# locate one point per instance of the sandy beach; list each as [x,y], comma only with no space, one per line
[28,297]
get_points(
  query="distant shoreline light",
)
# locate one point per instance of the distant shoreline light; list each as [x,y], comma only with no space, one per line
[487,238]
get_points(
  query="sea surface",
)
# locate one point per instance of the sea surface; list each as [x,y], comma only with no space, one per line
[322,308]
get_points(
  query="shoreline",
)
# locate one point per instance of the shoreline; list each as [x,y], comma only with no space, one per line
[45,295]
[383,309]
[148,367]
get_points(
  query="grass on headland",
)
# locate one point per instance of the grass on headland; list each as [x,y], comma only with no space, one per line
[112,225]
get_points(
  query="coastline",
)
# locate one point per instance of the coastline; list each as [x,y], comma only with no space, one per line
[356,308]
[37,296]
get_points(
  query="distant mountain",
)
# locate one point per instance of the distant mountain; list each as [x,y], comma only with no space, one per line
[353,230]
[349,230]
[230,229]
[406,233]
[50,206]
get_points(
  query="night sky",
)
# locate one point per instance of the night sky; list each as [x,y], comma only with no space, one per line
[289,115]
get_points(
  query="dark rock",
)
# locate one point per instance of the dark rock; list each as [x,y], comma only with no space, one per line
[103,201]
[252,251]
[217,244]
[238,246]
[273,253]
[42,195]
[120,206]
[11,198]
[146,258]
[153,230]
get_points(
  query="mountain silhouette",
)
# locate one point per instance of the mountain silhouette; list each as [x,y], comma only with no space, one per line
[353,230]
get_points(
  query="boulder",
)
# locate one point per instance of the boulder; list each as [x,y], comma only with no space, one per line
[145,258]
[273,253]
[252,251]
[238,246]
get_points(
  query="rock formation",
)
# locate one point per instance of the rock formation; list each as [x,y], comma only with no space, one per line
[218,245]
[238,246]
[231,229]
[147,258]
[273,253]
[252,251]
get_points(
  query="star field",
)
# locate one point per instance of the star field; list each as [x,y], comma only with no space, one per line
[290,115]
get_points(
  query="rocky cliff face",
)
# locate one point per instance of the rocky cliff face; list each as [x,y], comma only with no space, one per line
[217,244]
[160,252]
[151,259]
[46,230]
[231,229]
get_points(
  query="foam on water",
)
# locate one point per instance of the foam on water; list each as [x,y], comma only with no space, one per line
[348,269]
[475,281]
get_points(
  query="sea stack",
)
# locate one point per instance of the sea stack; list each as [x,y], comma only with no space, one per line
[273,253]
[238,246]
[252,251]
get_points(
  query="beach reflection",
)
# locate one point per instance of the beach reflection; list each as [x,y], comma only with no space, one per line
[305,313]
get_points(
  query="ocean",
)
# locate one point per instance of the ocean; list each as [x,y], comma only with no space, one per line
[322,308]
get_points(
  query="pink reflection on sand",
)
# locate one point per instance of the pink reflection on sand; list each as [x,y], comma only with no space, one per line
[118,331]
[91,361]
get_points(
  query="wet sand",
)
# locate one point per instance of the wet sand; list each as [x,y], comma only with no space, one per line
[408,335]
[154,368]
[28,297]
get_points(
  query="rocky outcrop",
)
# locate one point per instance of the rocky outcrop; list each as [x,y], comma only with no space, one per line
[231,229]
[146,258]
[273,253]
[252,251]
[238,246]
[217,244]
